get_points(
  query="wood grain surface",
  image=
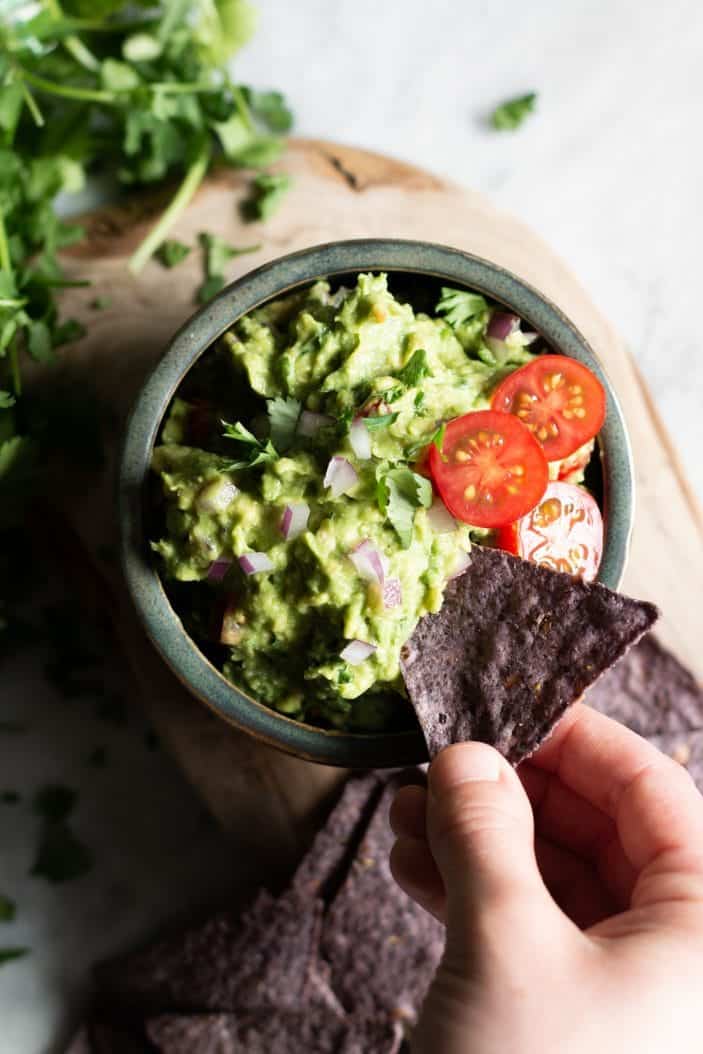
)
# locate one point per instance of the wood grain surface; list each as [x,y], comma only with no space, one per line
[338,192]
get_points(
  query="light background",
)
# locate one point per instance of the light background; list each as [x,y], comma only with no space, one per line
[608,171]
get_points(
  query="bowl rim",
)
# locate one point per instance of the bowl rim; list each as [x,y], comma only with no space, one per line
[275,278]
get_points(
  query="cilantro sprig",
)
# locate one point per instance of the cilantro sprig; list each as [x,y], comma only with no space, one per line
[257,452]
[511,114]
[400,492]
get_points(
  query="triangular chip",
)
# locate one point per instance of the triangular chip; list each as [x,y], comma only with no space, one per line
[513,645]
[650,691]
[382,949]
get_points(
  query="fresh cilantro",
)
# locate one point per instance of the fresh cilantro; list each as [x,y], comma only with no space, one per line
[216,256]
[419,400]
[415,369]
[260,453]
[438,438]
[391,395]
[268,190]
[271,109]
[172,252]
[283,418]
[61,856]
[6,400]
[97,758]
[100,303]
[54,802]
[459,307]
[400,492]
[375,424]
[10,797]
[510,114]
[9,954]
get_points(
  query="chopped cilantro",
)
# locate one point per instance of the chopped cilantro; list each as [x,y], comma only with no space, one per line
[171,252]
[375,424]
[216,255]
[8,909]
[268,190]
[400,492]
[283,417]
[459,307]
[438,438]
[6,400]
[9,954]
[419,400]
[54,802]
[100,303]
[510,114]
[415,369]
[61,856]
[259,452]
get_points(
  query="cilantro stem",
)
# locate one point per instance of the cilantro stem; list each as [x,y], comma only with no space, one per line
[242,107]
[191,181]
[5,261]
[6,265]
[32,106]
[73,44]
[66,91]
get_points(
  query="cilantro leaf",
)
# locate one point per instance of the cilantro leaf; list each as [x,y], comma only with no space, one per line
[400,492]
[61,855]
[283,416]
[415,369]
[375,424]
[459,307]
[172,252]
[510,114]
[54,801]
[239,432]
[268,190]
[259,453]
[6,400]
[438,438]
[9,954]
[216,255]
[270,107]
[100,303]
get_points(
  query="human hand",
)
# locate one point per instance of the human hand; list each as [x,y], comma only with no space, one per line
[572,892]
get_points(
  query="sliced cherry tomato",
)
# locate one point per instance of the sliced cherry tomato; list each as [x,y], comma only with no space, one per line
[564,531]
[559,399]
[490,471]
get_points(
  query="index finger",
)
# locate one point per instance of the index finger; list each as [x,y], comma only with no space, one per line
[652,799]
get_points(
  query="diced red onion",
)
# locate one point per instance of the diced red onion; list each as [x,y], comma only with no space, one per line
[309,423]
[218,569]
[356,651]
[529,338]
[463,561]
[340,476]
[392,593]
[368,562]
[501,325]
[360,439]
[253,563]
[440,518]
[295,520]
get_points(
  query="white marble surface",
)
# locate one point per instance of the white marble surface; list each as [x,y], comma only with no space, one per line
[608,171]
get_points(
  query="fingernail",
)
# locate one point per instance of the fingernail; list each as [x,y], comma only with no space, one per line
[465,763]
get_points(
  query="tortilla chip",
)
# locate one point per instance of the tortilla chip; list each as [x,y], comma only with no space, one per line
[381,947]
[188,970]
[686,748]
[650,691]
[332,851]
[284,1033]
[512,647]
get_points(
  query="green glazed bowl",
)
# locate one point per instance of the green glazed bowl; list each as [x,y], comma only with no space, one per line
[417,259]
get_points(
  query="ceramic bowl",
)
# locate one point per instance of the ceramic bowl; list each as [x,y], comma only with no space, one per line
[423,261]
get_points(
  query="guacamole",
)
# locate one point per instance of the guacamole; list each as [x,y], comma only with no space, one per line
[299,534]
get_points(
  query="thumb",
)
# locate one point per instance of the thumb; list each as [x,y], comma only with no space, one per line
[481,832]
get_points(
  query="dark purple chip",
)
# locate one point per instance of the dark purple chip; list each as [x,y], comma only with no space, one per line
[513,645]
[382,949]
[650,691]
[312,1031]
[686,748]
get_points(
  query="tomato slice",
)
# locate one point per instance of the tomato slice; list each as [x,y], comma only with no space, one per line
[564,531]
[559,399]
[490,471]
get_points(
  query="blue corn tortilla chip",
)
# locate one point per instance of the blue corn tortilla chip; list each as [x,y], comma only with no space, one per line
[513,645]
[382,949]
[650,691]
[304,1032]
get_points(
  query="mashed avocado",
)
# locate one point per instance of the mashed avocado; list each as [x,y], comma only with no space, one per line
[323,402]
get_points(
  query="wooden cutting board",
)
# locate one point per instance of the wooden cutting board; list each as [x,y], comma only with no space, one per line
[269,799]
